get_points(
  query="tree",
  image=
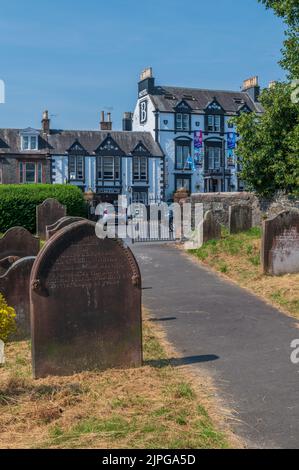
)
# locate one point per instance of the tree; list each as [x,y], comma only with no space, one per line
[289,11]
[269,147]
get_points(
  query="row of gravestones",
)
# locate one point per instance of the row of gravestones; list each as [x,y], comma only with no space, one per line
[280,238]
[79,297]
[240,220]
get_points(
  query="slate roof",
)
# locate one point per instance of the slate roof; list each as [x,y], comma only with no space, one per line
[59,141]
[228,100]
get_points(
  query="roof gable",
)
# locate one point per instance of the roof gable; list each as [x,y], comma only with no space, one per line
[140,150]
[109,147]
[183,107]
[77,149]
[214,107]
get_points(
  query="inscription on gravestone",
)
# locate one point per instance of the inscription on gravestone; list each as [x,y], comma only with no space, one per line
[14,285]
[48,213]
[280,244]
[85,304]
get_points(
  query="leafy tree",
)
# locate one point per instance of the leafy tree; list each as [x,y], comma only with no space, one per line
[289,11]
[269,147]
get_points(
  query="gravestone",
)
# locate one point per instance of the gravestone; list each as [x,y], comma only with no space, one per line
[85,304]
[14,285]
[280,244]
[48,213]
[208,229]
[61,223]
[18,242]
[7,262]
[240,218]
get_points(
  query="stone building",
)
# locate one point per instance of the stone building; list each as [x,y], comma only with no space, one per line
[193,127]
[108,162]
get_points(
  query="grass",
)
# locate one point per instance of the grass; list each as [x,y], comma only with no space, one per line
[155,406]
[238,258]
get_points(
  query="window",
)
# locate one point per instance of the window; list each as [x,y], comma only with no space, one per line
[76,167]
[108,168]
[214,123]
[139,197]
[29,142]
[182,182]
[214,157]
[182,153]
[30,172]
[182,122]
[140,168]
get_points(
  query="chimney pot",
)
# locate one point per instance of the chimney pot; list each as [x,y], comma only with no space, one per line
[105,125]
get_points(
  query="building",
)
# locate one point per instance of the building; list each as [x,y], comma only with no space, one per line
[109,163]
[194,131]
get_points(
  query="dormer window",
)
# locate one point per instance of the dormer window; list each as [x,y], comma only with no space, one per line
[29,142]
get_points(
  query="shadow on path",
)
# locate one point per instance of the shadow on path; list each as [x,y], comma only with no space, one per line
[181,361]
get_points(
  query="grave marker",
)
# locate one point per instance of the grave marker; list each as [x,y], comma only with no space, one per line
[85,304]
[47,213]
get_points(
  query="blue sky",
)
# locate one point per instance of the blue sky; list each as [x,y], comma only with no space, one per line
[78,57]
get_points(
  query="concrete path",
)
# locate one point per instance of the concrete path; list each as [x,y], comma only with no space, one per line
[243,343]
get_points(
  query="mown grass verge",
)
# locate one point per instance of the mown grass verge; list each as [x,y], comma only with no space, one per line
[238,258]
[155,406]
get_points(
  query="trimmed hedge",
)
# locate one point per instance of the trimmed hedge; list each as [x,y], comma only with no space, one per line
[18,203]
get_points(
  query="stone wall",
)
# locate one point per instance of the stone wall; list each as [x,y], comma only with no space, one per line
[219,203]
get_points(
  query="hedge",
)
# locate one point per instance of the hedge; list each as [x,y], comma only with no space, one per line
[18,203]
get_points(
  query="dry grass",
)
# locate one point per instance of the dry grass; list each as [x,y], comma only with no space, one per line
[238,258]
[156,406]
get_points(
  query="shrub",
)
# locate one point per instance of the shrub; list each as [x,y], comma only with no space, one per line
[18,203]
[7,319]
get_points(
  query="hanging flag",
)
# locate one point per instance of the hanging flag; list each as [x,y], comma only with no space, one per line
[198,144]
[190,163]
[231,140]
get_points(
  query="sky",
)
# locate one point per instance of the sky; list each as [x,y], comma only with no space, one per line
[76,58]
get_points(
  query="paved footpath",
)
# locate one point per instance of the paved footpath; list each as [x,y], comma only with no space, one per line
[242,342]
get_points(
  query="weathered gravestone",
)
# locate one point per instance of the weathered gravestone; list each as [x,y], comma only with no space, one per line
[85,304]
[18,242]
[280,244]
[48,213]
[14,285]
[240,218]
[61,223]
[6,263]
[2,355]
[208,229]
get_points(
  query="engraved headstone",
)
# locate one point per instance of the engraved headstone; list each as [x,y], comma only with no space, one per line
[61,223]
[48,213]
[85,304]
[7,262]
[240,218]
[14,285]
[280,244]
[208,229]
[18,242]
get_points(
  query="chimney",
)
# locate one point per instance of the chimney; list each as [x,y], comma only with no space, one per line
[46,123]
[251,87]
[105,125]
[128,122]
[146,85]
